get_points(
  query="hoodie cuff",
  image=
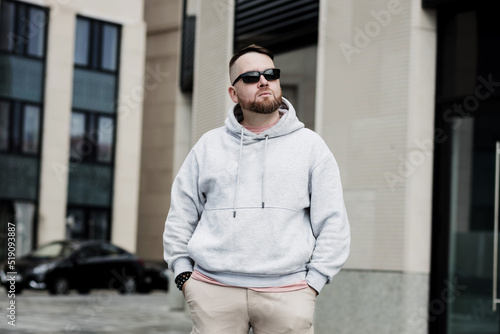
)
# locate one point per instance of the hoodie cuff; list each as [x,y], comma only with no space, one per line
[316,280]
[181,265]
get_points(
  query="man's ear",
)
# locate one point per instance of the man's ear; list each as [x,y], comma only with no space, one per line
[232,94]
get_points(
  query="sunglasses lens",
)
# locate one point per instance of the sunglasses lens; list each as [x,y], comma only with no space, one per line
[251,77]
[272,74]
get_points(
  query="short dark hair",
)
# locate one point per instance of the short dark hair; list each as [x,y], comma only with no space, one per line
[250,48]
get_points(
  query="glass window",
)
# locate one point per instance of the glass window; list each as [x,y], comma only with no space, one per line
[19,127]
[112,250]
[36,32]
[22,28]
[75,224]
[31,129]
[25,216]
[78,148]
[89,251]
[4,125]
[16,127]
[21,37]
[53,250]
[105,139]
[99,223]
[88,223]
[7,26]
[82,42]
[109,47]
[96,44]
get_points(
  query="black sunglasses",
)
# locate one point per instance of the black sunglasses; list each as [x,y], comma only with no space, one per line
[254,76]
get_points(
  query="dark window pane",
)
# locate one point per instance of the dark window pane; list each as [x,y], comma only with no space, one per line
[105,139]
[96,43]
[79,148]
[31,129]
[16,127]
[75,224]
[98,225]
[21,36]
[82,42]
[36,32]
[7,26]
[91,134]
[109,47]
[4,125]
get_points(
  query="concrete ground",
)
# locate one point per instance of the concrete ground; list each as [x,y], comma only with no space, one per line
[101,311]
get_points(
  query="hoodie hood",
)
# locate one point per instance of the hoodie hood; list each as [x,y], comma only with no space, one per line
[286,125]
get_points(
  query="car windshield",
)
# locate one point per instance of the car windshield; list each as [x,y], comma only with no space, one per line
[53,250]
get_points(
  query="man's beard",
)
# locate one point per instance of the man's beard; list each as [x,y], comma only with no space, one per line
[268,106]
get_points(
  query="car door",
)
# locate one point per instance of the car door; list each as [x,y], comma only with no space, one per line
[89,267]
[120,265]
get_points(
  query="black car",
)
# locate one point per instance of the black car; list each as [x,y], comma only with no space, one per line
[155,277]
[83,265]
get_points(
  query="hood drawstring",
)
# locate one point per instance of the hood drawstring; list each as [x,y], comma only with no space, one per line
[264,174]
[238,174]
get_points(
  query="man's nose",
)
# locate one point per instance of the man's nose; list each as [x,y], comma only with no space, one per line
[262,81]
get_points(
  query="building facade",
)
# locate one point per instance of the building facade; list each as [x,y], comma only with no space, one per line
[100,102]
[71,93]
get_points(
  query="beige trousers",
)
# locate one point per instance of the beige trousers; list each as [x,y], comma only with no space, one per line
[218,309]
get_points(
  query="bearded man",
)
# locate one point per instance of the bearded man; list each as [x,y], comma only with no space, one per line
[257,223]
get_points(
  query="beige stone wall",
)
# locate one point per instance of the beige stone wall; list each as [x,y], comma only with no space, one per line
[298,74]
[375,110]
[56,126]
[125,213]
[163,126]
[375,107]
[214,49]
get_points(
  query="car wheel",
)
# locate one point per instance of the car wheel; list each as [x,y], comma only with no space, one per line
[59,286]
[128,286]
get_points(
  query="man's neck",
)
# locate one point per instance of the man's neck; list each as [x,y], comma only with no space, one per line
[254,119]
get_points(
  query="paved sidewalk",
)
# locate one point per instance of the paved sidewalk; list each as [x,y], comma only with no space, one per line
[101,311]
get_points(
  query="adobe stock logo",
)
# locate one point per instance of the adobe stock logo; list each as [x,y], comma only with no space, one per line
[363,38]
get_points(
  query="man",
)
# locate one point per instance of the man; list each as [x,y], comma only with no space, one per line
[257,223]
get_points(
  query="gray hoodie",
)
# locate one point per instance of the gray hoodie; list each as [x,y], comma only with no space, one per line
[260,210]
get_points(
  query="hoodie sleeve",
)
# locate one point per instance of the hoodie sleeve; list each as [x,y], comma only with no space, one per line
[329,223]
[186,207]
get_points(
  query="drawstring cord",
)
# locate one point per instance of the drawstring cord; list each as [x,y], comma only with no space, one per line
[264,174]
[238,175]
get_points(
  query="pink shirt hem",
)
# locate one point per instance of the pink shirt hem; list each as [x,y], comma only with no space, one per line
[285,288]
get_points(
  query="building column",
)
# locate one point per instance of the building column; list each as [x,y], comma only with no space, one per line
[375,110]
[56,126]
[214,49]
[129,136]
